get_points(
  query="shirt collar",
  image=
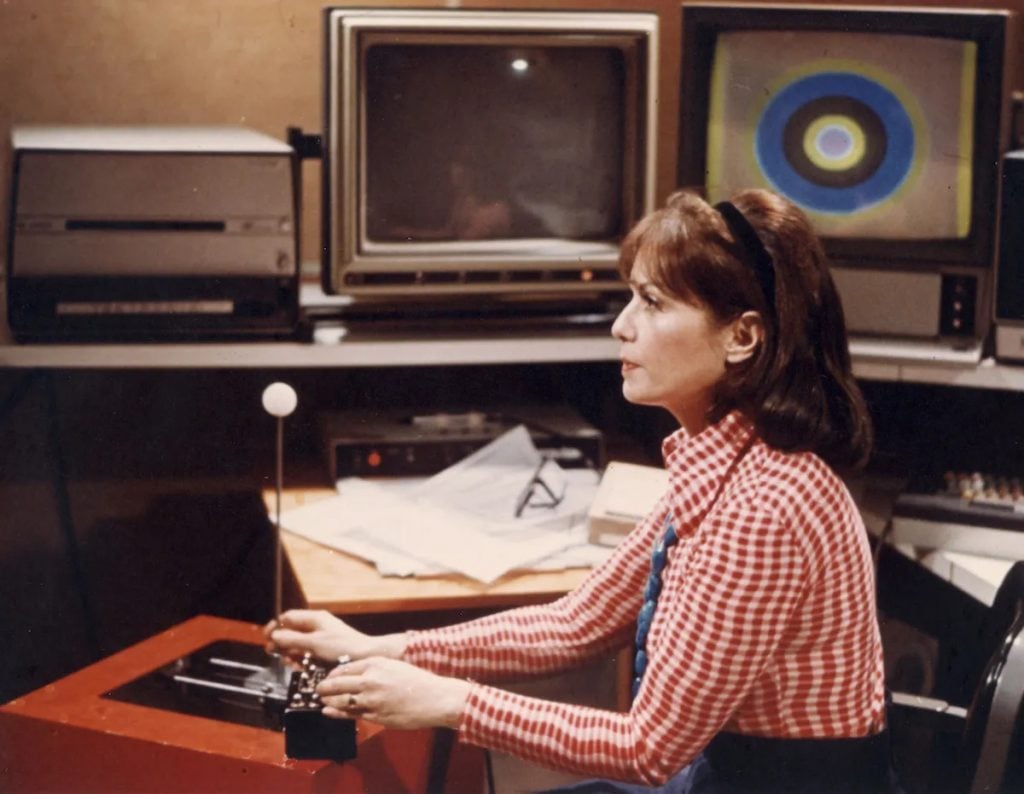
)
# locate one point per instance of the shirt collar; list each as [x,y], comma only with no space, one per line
[698,464]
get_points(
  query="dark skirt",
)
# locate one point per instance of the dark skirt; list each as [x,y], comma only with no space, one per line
[735,764]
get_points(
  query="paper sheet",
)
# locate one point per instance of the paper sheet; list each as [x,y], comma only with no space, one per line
[461,520]
[323,523]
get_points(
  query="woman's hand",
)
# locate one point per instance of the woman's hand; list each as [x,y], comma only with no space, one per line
[300,631]
[394,694]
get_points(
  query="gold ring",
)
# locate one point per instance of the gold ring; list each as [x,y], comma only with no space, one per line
[344,659]
[352,702]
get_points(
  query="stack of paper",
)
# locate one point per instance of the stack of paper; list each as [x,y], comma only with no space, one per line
[628,492]
[463,519]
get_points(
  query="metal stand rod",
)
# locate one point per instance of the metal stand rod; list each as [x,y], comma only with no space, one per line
[278,552]
[279,400]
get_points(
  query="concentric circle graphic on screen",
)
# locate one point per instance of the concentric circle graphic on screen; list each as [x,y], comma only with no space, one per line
[835,142]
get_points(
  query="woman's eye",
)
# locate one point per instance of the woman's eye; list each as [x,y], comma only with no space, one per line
[650,300]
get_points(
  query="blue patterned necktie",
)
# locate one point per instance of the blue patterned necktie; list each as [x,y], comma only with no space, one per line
[643,621]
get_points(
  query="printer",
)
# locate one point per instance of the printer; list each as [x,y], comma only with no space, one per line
[149,233]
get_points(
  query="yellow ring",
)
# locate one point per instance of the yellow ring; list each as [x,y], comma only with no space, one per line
[850,127]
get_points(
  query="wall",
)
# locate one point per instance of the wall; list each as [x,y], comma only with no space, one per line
[251,62]
[152,480]
[130,439]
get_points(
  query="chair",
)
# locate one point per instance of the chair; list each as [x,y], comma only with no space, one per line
[978,748]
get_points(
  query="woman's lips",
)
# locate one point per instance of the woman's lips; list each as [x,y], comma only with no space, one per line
[627,366]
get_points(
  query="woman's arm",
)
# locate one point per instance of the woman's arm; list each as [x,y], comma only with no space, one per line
[537,640]
[513,644]
[720,617]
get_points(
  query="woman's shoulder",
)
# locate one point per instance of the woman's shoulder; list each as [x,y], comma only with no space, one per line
[797,497]
[791,482]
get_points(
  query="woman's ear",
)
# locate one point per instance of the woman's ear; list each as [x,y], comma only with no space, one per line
[743,336]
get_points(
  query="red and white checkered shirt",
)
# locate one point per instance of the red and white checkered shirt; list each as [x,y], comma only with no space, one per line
[765,624]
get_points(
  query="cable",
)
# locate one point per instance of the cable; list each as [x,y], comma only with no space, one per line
[17,393]
[876,556]
[235,569]
[59,480]
[489,771]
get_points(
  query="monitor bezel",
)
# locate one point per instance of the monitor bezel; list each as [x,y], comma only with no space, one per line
[518,267]
[990,29]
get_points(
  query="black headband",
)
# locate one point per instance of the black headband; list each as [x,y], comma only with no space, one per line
[757,256]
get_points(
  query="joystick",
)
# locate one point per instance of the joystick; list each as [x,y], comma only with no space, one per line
[307,732]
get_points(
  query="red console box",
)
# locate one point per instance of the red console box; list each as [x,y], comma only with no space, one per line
[67,737]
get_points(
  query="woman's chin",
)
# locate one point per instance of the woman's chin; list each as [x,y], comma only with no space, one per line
[633,394]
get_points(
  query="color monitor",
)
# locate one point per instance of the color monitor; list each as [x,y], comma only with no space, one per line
[884,124]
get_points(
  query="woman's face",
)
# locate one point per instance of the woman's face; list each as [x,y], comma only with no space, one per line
[672,352]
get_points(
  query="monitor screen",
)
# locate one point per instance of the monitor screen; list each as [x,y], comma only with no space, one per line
[872,134]
[473,152]
[527,143]
[884,124]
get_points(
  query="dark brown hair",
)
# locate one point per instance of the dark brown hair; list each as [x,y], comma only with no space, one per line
[798,388]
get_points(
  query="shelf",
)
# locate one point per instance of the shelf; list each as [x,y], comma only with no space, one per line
[877,360]
[977,576]
[986,374]
[318,354]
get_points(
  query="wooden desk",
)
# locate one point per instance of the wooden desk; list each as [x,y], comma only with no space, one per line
[322,578]
[67,737]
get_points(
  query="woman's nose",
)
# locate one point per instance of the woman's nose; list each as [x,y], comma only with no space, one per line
[622,327]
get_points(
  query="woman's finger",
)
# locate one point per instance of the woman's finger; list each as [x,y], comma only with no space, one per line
[340,685]
[357,667]
[299,619]
[348,703]
[290,638]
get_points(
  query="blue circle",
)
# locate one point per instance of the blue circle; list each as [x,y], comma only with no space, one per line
[891,172]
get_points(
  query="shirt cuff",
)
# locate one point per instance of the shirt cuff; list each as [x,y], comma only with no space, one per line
[474,714]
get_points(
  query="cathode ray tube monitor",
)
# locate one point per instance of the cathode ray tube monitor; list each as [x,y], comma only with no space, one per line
[473,153]
[885,124]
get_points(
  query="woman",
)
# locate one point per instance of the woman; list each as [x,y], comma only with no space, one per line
[758,659]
